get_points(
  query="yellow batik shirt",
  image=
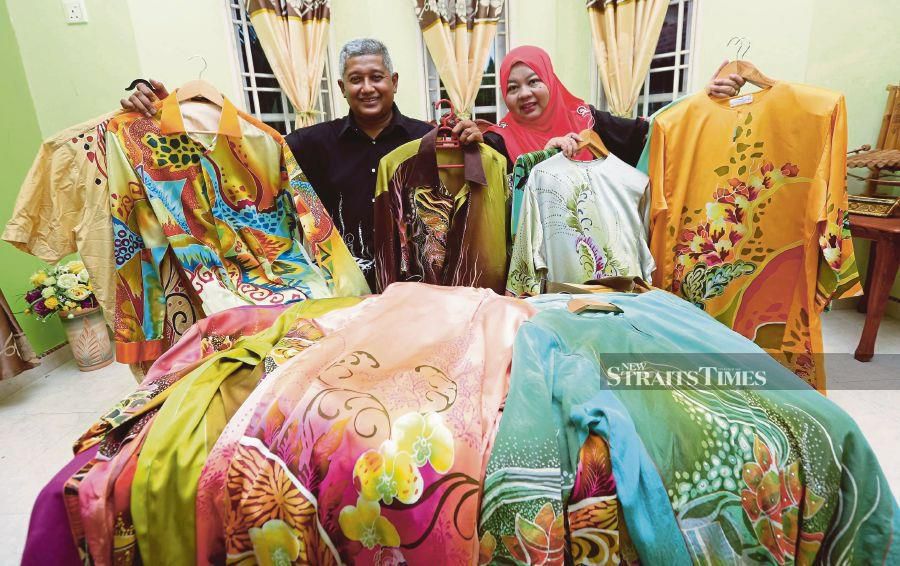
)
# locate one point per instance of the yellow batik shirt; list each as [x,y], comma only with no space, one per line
[749,217]
[61,208]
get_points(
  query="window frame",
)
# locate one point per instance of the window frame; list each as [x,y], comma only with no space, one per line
[433,85]
[248,76]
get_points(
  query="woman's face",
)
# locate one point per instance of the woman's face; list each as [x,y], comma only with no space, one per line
[526,94]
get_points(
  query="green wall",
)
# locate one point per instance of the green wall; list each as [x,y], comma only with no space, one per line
[19,140]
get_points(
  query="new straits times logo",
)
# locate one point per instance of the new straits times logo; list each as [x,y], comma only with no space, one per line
[647,375]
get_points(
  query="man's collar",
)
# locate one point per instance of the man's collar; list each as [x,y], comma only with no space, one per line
[398,120]
[172,122]
[425,170]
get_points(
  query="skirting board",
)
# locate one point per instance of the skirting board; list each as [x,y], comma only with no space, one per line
[49,362]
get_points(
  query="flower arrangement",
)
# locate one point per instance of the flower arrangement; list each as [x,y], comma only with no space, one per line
[65,288]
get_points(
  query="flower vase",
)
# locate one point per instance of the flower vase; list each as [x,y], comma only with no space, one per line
[88,337]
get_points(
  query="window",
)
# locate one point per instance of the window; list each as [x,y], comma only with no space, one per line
[668,76]
[489,100]
[263,98]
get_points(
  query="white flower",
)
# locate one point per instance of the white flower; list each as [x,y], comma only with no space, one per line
[78,293]
[50,281]
[83,276]
[67,281]
[48,291]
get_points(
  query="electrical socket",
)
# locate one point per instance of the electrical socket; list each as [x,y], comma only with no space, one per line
[75,11]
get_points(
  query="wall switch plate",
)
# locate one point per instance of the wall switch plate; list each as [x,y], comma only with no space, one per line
[75,11]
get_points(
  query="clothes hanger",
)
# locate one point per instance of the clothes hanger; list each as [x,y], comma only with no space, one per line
[743,68]
[200,88]
[446,138]
[591,140]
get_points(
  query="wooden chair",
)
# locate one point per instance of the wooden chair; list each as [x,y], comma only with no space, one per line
[885,158]
[884,252]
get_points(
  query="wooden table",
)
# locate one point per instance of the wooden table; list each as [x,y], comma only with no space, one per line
[884,259]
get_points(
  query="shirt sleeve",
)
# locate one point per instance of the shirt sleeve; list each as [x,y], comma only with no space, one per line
[838,276]
[327,247]
[527,265]
[139,245]
[658,215]
[48,206]
[387,244]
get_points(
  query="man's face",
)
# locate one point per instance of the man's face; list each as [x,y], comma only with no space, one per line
[368,87]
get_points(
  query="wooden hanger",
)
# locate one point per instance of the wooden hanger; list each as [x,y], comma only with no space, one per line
[446,139]
[591,140]
[747,71]
[200,88]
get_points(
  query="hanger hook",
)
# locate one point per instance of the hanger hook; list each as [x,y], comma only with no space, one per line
[205,64]
[740,50]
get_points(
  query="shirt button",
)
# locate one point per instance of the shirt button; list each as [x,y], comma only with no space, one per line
[373,200]
[373,170]
[373,142]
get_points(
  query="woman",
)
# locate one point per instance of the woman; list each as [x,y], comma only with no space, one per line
[544,114]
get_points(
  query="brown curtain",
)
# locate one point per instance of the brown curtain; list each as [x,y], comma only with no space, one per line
[17,355]
[293,35]
[625,33]
[459,35]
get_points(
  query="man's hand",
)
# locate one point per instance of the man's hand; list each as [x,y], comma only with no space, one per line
[468,132]
[143,98]
[727,87]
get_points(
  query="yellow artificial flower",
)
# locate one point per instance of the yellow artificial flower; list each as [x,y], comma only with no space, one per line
[275,543]
[426,438]
[74,267]
[52,303]
[39,277]
[386,474]
[364,523]
[27,311]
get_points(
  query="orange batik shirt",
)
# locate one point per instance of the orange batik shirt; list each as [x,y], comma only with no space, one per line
[749,218]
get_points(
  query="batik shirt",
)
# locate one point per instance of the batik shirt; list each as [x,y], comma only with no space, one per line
[581,220]
[749,217]
[223,203]
[445,227]
[61,208]
[394,440]
[720,455]
[517,180]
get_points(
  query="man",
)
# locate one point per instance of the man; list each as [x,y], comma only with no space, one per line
[340,157]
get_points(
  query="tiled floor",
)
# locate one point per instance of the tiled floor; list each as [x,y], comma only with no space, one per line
[39,422]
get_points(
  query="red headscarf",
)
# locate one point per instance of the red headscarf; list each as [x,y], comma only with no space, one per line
[563,114]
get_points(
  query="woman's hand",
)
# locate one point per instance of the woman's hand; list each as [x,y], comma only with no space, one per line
[567,143]
[468,132]
[727,87]
[143,98]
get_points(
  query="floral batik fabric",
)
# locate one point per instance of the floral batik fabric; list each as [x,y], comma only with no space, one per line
[580,220]
[224,204]
[708,470]
[441,226]
[360,452]
[749,216]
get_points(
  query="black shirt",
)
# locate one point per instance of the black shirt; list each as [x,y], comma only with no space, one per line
[341,162]
[624,137]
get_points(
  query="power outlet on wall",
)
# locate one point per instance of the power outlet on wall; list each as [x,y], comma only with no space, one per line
[75,11]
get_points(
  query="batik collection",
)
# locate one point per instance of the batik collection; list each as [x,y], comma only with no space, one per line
[465,415]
